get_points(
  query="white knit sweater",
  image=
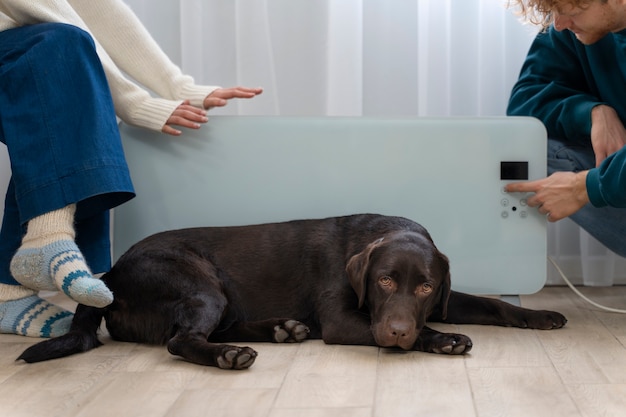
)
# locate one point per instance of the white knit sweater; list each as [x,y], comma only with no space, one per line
[123,44]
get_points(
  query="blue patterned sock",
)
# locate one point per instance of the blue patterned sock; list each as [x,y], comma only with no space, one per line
[60,265]
[33,316]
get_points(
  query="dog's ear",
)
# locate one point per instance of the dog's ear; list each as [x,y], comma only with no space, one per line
[445,283]
[357,270]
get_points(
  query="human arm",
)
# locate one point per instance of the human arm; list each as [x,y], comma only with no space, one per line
[606,184]
[607,132]
[554,87]
[134,50]
[564,193]
[557,196]
[132,104]
[191,117]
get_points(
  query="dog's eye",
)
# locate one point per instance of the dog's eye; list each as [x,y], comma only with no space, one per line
[425,288]
[385,281]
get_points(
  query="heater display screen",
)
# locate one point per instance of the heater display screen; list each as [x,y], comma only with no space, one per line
[514,170]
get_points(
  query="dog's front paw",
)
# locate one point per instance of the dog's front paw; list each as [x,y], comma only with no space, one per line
[544,320]
[290,331]
[445,343]
[234,357]
[453,344]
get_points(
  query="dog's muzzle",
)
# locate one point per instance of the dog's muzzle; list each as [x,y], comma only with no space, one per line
[394,331]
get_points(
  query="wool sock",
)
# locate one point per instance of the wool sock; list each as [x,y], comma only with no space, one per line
[22,312]
[50,260]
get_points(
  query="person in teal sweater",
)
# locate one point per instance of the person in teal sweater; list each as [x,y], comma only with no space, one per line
[574,81]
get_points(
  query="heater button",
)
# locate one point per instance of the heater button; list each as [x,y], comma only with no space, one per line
[514,203]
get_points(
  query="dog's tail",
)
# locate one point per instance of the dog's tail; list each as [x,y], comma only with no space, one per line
[83,336]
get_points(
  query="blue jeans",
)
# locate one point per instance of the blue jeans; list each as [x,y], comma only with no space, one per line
[58,123]
[606,224]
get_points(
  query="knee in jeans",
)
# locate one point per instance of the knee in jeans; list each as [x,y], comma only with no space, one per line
[563,156]
[64,36]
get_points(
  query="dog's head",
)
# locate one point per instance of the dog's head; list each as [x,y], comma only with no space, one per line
[401,278]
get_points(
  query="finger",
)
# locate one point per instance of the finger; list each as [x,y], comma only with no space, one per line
[227,95]
[194,116]
[553,218]
[521,187]
[247,92]
[534,202]
[541,208]
[243,90]
[257,90]
[214,102]
[171,131]
[236,92]
[185,109]
[220,97]
[183,122]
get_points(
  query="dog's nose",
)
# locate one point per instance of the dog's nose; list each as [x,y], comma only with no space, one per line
[400,330]
[396,331]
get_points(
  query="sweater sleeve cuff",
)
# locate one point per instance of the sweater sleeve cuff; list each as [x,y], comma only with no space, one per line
[154,112]
[594,190]
[197,93]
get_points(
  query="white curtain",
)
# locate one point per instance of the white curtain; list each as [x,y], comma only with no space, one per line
[354,57]
[348,57]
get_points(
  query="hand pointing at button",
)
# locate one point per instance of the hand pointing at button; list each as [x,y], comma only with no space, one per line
[557,196]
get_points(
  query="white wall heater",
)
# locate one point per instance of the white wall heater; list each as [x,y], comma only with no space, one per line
[445,173]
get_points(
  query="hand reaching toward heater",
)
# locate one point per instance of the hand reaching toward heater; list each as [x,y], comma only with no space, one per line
[557,196]
[192,117]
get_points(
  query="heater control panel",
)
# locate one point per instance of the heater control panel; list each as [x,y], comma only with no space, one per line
[513,205]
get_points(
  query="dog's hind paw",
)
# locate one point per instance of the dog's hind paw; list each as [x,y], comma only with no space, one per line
[290,331]
[234,357]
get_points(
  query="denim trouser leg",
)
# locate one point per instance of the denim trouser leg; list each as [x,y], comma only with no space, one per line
[58,122]
[606,224]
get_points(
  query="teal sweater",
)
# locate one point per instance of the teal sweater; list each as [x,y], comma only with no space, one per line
[560,82]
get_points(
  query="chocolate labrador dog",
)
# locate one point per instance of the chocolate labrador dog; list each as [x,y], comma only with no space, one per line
[358,280]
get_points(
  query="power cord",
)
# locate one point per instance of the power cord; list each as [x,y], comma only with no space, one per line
[567,281]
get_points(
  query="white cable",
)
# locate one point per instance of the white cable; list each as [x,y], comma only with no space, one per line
[612,310]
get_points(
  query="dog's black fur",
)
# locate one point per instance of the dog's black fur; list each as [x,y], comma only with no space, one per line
[360,280]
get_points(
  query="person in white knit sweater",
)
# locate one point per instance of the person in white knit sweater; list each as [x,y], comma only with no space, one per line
[63,66]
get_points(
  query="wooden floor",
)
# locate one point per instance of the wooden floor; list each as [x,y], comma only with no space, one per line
[576,371]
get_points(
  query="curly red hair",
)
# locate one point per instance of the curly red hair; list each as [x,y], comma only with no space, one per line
[541,12]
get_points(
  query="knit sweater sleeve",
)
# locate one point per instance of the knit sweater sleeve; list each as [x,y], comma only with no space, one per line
[606,184]
[133,104]
[135,52]
[553,87]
